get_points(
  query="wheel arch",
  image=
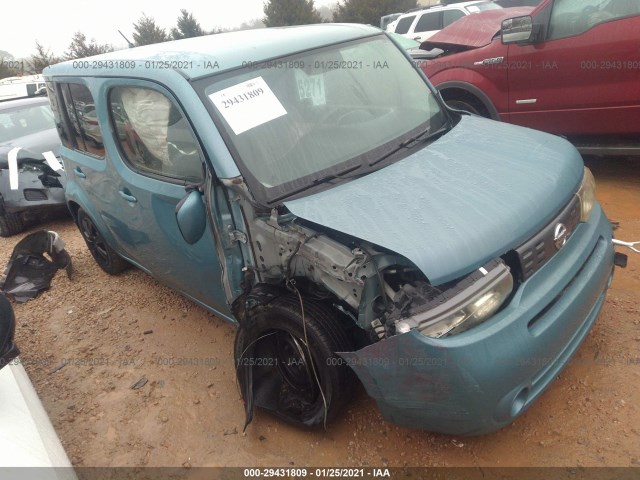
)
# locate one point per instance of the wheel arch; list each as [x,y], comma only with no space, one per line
[467,90]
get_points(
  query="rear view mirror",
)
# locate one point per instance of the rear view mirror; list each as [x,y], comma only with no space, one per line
[191,217]
[517,30]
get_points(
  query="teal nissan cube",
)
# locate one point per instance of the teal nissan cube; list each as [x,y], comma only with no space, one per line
[309,185]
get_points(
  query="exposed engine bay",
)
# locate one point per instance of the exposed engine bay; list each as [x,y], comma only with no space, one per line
[382,292]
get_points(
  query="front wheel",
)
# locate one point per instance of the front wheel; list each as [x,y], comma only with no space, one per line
[287,363]
[101,252]
[10,224]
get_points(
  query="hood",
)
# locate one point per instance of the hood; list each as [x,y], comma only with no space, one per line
[477,192]
[36,143]
[474,31]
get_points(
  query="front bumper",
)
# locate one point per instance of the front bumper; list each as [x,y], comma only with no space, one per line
[479,381]
[31,193]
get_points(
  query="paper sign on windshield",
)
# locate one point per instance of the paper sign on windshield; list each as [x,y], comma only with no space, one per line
[247,105]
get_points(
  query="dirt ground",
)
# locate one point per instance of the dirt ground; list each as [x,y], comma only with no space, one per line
[111,332]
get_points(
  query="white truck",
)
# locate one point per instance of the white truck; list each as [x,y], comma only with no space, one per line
[15,87]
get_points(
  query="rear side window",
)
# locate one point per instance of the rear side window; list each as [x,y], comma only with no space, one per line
[154,136]
[404,24]
[60,120]
[450,16]
[83,121]
[429,22]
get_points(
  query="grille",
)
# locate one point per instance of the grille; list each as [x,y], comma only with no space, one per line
[537,251]
[34,195]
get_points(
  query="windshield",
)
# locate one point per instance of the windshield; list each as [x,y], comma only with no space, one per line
[293,122]
[22,121]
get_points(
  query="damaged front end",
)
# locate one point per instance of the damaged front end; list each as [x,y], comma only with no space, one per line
[308,280]
[465,356]
[30,186]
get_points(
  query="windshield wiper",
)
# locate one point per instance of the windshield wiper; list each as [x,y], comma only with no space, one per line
[423,136]
[340,174]
[316,181]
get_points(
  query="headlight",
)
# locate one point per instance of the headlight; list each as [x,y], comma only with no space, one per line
[587,194]
[471,306]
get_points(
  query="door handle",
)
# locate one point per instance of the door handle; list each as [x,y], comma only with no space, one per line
[126,194]
[79,173]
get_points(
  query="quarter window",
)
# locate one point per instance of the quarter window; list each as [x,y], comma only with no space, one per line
[58,115]
[153,135]
[83,120]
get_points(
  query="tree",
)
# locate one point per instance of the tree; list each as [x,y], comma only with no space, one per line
[187,27]
[279,13]
[79,48]
[6,62]
[369,11]
[251,24]
[147,32]
[42,59]
[326,13]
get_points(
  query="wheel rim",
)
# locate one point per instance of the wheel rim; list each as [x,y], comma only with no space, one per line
[94,240]
[286,369]
[294,364]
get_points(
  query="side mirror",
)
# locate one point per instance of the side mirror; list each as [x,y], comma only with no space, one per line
[191,217]
[517,30]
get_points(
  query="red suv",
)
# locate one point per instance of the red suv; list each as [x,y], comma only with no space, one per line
[569,67]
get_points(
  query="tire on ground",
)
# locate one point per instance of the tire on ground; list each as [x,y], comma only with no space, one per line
[302,382]
[10,224]
[102,253]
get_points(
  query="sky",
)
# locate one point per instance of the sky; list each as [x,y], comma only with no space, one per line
[53,23]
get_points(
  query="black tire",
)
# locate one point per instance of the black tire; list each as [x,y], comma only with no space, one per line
[102,253]
[286,374]
[10,224]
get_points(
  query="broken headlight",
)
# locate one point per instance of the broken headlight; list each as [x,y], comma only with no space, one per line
[467,308]
[587,195]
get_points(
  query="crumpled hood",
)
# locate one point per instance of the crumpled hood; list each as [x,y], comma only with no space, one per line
[35,143]
[475,30]
[477,192]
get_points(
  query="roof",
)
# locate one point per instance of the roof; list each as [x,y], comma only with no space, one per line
[475,30]
[202,56]
[444,6]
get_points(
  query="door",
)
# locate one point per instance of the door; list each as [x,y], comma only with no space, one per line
[156,161]
[583,79]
